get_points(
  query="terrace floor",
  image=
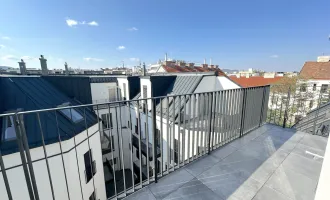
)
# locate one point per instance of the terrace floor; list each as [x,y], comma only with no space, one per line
[267,163]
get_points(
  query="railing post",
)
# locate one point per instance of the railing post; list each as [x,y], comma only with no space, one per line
[262,105]
[210,124]
[286,109]
[5,178]
[243,112]
[154,145]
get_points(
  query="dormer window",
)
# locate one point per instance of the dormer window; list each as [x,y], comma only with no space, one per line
[9,132]
[71,113]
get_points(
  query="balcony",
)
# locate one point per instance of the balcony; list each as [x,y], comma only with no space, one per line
[267,163]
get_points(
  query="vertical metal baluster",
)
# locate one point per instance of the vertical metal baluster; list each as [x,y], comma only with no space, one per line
[207,126]
[203,127]
[147,139]
[214,103]
[317,112]
[60,141]
[179,132]
[225,118]
[121,145]
[46,157]
[184,131]
[231,113]
[22,155]
[161,138]
[239,114]
[199,125]
[154,139]
[29,160]
[271,108]
[243,112]
[194,134]
[168,143]
[173,132]
[131,142]
[236,98]
[292,107]
[89,146]
[210,122]
[139,133]
[275,110]
[5,178]
[75,148]
[112,148]
[189,128]
[221,118]
[218,118]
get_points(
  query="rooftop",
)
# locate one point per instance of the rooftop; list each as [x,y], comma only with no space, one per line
[267,163]
[254,81]
[176,68]
[316,70]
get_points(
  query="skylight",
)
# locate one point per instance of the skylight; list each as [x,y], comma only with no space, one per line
[72,114]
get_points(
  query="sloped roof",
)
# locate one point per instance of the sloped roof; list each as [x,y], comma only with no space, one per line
[33,93]
[176,69]
[254,81]
[316,70]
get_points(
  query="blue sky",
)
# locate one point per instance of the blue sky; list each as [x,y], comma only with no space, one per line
[265,34]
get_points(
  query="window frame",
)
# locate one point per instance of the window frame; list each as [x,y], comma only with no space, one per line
[67,117]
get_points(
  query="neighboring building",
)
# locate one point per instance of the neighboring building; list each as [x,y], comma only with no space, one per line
[118,71]
[254,81]
[71,136]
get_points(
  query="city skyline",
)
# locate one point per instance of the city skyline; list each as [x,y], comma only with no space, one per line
[272,36]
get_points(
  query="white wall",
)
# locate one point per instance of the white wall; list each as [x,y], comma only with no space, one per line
[100,91]
[121,81]
[16,175]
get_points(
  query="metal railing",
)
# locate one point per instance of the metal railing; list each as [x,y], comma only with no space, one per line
[45,153]
[298,106]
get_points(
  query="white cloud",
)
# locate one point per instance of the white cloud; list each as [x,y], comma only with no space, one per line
[2,46]
[9,57]
[121,48]
[5,38]
[274,56]
[93,59]
[29,58]
[73,23]
[134,59]
[133,29]
[93,23]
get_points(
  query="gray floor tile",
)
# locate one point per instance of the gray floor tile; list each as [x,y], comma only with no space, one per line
[224,151]
[240,155]
[143,194]
[170,183]
[266,193]
[201,165]
[292,184]
[317,142]
[309,152]
[193,190]
[246,191]
[300,164]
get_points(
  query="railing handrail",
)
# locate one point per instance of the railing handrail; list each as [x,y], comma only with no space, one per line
[117,102]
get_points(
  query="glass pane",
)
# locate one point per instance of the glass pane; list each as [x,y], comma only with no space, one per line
[73,114]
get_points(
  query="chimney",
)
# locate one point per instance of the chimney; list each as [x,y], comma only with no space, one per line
[165,57]
[66,69]
[22,67]
[144,69]
[43,63]
[205,66]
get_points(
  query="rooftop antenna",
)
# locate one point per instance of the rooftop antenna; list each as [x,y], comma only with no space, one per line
[165,57]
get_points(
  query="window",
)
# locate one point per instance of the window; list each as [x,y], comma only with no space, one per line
[9,132]
[158,137]
[71,113]
[311,104]
[314,87]
[107,120]
[145,94]
[124,86]
[137,126]
[93,196]
[90,166]
[324,88]
[303,87]
[137,153]
[114,161]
